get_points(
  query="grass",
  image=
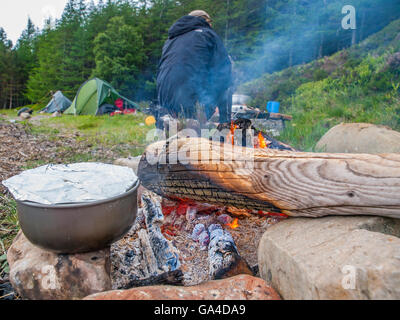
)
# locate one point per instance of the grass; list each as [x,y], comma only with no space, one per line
[14,112]
[105,131]
[9,228]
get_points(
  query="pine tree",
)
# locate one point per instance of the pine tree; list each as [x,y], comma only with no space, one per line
[119,55]
[45,76]
[26,58]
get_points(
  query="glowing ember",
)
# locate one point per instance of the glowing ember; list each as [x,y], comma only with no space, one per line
[272,214]
[234,224]
[261,141]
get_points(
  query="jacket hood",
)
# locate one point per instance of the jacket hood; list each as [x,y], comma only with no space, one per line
[187,24]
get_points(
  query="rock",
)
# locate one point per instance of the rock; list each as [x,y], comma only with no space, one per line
[25,116]
[242,287]
[332,258]
[37,274]
[360,138]
[131,162]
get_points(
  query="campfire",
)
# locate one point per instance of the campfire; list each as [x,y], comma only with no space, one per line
[179,240]
[260,140]
[187,243]
[202,219]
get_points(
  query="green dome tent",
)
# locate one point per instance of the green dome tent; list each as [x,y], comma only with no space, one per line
[92,95]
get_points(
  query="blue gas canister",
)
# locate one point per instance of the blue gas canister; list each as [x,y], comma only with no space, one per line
[273,106]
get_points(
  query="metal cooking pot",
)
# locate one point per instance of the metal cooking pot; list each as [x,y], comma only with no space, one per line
[77,228]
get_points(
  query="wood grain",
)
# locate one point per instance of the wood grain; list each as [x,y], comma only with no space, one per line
[294,183]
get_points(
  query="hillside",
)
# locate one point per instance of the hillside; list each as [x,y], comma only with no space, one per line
[360,84]
[121,41]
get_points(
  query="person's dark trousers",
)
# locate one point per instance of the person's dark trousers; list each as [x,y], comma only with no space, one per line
[225,107]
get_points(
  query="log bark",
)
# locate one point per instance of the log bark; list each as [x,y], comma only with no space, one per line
[293,183]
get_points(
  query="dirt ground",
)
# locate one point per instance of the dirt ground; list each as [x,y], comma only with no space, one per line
[20,150]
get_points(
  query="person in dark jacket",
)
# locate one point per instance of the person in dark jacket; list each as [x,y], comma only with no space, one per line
[195,70]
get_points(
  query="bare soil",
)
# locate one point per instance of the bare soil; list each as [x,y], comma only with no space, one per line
[20,150]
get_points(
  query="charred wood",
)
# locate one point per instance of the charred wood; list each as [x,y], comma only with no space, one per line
[223,256]
[283,182]
[172,278]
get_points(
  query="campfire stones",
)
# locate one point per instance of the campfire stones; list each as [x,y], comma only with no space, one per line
[131,162]
[37,274]
[333,258]
[242,287]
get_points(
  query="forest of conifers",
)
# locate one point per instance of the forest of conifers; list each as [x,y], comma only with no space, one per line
[120,41]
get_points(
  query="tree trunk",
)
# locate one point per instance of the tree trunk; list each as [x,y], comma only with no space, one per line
[292,183]
[11,97]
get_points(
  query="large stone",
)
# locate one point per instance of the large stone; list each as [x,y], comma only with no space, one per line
[360,138]
[242,287]
[37,274]
[131,162]
[333,258]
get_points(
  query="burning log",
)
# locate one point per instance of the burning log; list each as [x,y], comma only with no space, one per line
[223,256]
[158,250]
[280,182]
[154,260]
[172,278]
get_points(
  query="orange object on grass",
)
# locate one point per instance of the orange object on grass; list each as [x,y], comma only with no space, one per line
[150,121]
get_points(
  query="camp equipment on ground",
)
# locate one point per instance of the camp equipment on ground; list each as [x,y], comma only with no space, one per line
[25,110]
[93,94]
[106,109]
[58,103]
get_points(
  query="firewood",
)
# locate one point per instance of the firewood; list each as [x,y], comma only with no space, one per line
[223,256]
[149,263]
[291,183]
[173,278]
[280,116]
[165,255]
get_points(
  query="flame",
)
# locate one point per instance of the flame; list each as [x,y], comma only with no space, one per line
[261,141]
[234,224]
[231,135]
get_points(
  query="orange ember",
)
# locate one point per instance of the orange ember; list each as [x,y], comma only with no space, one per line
[272,214]
[234,224]
[261,141]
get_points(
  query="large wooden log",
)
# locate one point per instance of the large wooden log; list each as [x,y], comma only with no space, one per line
[293,183]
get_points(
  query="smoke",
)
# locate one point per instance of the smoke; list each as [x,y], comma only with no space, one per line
[302,31]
